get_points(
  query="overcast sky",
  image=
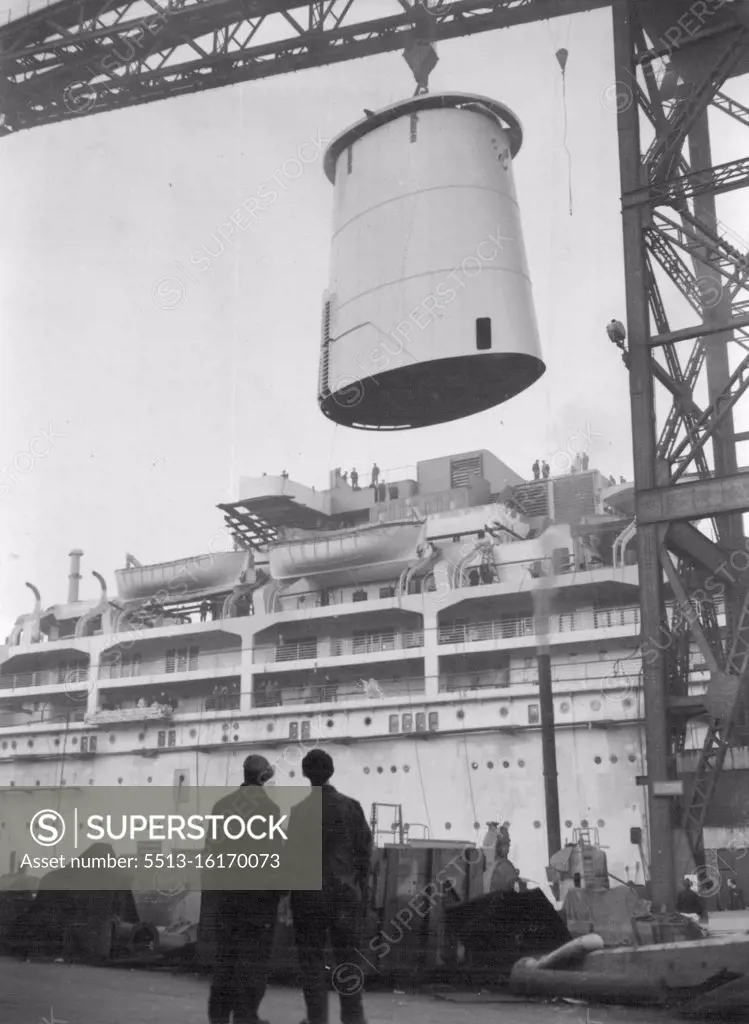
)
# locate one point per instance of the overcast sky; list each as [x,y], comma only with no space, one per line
[156,411]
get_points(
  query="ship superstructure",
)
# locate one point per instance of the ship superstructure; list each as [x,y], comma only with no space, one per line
[397,625]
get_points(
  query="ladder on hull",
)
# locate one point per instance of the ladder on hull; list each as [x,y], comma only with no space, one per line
[396,830]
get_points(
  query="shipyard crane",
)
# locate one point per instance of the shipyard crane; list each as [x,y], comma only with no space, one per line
[674,61]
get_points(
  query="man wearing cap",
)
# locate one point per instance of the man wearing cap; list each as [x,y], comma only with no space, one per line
[244,921]
[338,910]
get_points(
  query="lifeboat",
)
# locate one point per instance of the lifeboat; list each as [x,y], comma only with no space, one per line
[389,546]
[201,574]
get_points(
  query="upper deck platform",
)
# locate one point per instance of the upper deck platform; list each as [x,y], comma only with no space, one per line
[445,526]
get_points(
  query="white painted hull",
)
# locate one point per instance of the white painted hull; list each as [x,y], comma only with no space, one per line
[442,781]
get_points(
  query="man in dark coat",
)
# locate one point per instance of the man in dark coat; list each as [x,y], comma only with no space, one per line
[687,900]
[338,910]
[244,922]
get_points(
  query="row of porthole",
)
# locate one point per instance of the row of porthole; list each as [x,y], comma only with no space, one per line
[56,741]
[632,758]
[504,712]
[490,764]
[564,707]
[536,824]
[64,782]
[474,765]
[505,764]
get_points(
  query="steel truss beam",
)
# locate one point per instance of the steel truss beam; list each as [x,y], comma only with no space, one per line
[81,57]
[671,231]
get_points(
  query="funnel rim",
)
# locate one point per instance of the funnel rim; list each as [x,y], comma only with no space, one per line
[428,101]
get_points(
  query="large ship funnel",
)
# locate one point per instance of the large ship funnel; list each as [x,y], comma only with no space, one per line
[429,314]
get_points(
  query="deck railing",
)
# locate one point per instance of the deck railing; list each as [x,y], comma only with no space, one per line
[193,660]
[68,678]
[312,648]
[513,626]
[337,693]
[131,668]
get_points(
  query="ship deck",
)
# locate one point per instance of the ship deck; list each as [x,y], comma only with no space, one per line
[55,993]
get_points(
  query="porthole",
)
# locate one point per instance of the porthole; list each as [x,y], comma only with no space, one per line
[585,823]
[595,705]
[406,769]
[597,759]
[505,764]
[14,745]
[614,759]
[461,714]
[568,823]
[474,765]
[365,770]
[476,825]
[367,720]
[225,727]
[235,739]
[292,774]
[111,739]
[330,723]
[393,768]
[601,823]
[537,824]
[37,783]
[150,778]
[564,707]
[504,712]
[141,736]
[30,743]
[119,782]
[631,758]
[489,764]
[57,741]
[379,770]
[270,727]
[235,727]
[224,739]
[448,826]
[90,782]
[193,733]
[627,702]
[521,764]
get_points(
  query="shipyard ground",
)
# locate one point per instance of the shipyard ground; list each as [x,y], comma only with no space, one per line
[45,993]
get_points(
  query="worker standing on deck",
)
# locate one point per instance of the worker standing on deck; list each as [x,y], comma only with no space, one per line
[734,896]
[244,920]
[688,901]
[338,910]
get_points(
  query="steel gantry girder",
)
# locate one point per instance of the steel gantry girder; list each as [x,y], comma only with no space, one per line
[671,231]
[80,57]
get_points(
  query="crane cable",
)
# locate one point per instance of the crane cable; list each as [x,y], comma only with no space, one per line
[562,55]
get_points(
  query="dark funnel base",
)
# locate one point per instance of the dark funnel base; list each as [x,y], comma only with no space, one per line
[429,393]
